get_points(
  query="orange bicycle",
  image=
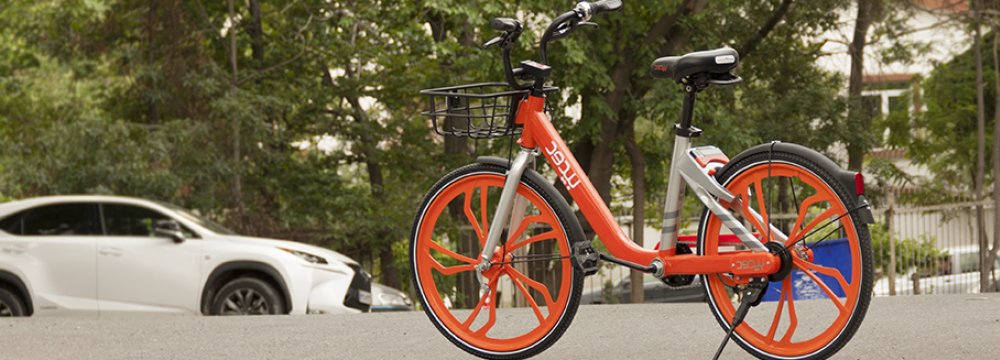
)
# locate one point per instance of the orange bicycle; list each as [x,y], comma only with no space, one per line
[496,234]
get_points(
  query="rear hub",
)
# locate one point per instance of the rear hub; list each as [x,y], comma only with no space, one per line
[785,256]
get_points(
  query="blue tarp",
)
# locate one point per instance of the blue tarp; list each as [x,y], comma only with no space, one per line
[834,253]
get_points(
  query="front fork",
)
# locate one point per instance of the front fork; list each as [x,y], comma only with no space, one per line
[509,205]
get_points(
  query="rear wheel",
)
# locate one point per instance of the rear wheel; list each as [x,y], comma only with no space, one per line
[817,308]
[531,271]
[10,304]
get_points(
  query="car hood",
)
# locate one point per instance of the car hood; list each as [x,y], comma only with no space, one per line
[330,255]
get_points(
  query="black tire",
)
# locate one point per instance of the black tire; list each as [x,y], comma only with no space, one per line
[567,222]
[10,304]
[849,201]
[247,296]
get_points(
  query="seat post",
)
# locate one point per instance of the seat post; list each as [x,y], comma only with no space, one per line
[687,113]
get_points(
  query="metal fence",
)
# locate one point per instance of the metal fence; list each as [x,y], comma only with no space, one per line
[934,248]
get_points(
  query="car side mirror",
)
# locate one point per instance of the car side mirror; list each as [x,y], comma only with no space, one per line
[169,228]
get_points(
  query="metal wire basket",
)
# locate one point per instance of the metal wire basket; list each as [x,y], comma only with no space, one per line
[478,111]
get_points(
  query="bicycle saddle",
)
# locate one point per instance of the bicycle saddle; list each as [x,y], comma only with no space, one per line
[714,62]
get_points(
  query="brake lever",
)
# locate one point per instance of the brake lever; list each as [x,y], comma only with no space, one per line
[587,23]
[492,42]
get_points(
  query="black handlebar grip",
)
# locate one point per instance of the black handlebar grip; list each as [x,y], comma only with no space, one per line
[505,24]
[606,6]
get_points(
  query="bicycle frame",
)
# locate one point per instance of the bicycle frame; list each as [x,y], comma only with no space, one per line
[540,136]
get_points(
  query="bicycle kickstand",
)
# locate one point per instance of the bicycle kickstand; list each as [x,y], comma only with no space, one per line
[751,297]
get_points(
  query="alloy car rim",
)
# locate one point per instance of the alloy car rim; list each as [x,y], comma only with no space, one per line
[438,265]
[245,302]
[779,332]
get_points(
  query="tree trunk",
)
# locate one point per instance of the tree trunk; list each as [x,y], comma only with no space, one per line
[638,204]
[992,254]
[152,112]
[859,120]
[256,32]
[750,45]
[466,243]
[237,157]
[599,169]
[984,279]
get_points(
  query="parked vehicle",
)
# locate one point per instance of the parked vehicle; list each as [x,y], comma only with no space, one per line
[87,254]
[654,291]
[386,299]
[961,276]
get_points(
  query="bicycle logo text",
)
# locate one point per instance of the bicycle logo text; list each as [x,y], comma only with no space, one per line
[567,176]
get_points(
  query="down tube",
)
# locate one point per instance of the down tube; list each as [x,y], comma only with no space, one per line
[572,176]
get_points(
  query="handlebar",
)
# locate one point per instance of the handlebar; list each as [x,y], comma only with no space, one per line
[560,27]
[606,6]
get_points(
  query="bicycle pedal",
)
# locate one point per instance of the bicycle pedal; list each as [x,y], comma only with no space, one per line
[586,258]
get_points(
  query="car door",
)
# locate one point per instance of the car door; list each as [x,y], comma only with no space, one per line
[140,272]
[54,247]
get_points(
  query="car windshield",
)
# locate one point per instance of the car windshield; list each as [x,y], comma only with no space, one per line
[203,222]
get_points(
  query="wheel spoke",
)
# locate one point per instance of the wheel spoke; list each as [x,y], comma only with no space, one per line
[531,301]
[826,289]
[231,306]
[493,314]
[514,274]
[450,270]
[483,210]
[793,319]
[451,254]
[483,300]
[803,209]
[748,214]
[524,226]
[805,231]
[828,271]
[786,287]
[543,236]
[765,231]
[480,233]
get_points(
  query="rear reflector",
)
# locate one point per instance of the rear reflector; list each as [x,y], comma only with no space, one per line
[859,183]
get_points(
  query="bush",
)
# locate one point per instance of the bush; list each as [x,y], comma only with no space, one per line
[919,254]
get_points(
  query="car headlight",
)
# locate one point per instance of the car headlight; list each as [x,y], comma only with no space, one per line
[310,258]
[391,299]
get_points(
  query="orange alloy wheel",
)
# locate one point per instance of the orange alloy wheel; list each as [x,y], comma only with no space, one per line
[531,270]
[816,309]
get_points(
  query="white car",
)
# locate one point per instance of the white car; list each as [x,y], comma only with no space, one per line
[89,254]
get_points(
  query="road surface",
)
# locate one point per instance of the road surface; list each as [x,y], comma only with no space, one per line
[915,327]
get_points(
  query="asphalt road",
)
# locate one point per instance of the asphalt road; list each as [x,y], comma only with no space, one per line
[917,327]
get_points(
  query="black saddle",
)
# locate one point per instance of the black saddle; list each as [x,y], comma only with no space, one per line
[715,63]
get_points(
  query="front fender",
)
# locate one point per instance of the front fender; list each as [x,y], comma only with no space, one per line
[560,202]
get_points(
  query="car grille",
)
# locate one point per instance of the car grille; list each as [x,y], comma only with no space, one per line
[359,295]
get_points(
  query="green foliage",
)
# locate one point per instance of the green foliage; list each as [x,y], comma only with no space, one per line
[123,97]
[945,135]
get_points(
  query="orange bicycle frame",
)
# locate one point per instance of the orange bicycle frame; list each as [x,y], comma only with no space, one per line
[539,134]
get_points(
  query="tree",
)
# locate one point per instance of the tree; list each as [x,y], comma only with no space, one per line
[948,146]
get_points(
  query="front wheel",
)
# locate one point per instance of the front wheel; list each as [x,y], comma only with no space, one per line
[817,308]
[247,296]
[531,272]
[10,304]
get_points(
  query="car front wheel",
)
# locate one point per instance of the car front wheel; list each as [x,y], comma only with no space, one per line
[10,304]
[247,296]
